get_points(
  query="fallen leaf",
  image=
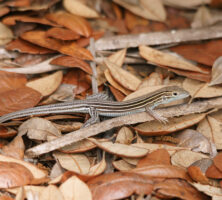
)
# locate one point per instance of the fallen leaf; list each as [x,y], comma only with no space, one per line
[80,8]
[48,84]
[119,185]
[122,165]
[51,192]
[186,4]
[217,161]
[174,124]
[124,136]
[213,172]
[161,58]
[122,76]
[62,34]
[185,158]
[78,163]
[18,99]
[69,61]
[120,149]
[6,132]
[216,72]
[74,188]
[118,57]
[73,22]
[6,34]
[23,46]
[39,129]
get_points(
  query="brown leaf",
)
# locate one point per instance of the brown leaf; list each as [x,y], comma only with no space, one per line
[213,172]
[124,136]
[23,46]
[18,99]
[14,175]
[216,72]
[69,61]
[62,34]
[119,185]
[11,20]
[197,175]
[10,81]
[73,22]
[171,188]
[174,124]
[6,132]
[15,148]
[160,156]
[218,162]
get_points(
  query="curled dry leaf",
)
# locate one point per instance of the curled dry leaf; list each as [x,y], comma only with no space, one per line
[122,76]
[10,81]
[74,188]
[213,172]
[14,175]
[48,84]
[39,129]
[69,61]
[211,128]
[154,79]
[149,9]
[78,163]
[18,99]
[122,165]
[36,172]
[28,189]
[124,136]
[118,57]
[51,192]
[185,158]
[6,132]
[80,8]
[199,89]
[73,22]
[216,72]
[119,185]
[174,124]
[23,46]
[166,59]
[120,149]
[186,4]
[62,34]
[6,34]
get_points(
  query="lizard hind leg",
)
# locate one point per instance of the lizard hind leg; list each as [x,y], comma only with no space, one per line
[155,115]
[94,118]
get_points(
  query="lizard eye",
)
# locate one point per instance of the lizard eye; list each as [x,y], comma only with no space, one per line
[175,94]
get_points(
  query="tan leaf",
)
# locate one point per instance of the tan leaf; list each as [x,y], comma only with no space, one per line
[185,158]
[28,189]
[122,76]
[48,84]
[80,8]
[14,175]
[161,58]
[211,128]
[18,99]
[78,163]
[118,57]
[124,136]
[73,22]
[187,3]
[154,79]
[199,89]
[120,149]
[99,168]
[216,72]
[36,172]
[122,165]
[51,192]
[6,34]
[174,124]
[39,129]
[149,9]
[74,188]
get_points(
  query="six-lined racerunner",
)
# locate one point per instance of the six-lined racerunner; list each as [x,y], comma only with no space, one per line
[98,107]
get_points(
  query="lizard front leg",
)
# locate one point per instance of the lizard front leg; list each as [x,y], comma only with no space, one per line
[94,117]
[155,115]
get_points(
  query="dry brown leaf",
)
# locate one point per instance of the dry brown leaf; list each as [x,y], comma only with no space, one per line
[118,57]
[48,84]
[166,59]
[213,172]
[73,22]
[174,124]
[185,158]
[217,161]
[122,76]
[199,89]
[186,4]
[74,188]
[78,163]
[39,129]
[80,8]
[51,192]
[211,128]
[6,34]
[216,72]
[18,99]
[119,185]
[149,9]
[36,172]
[154,79]
[120,149]
[14,175]
[124,136]
[6,132]
[15,148]
[122,165]
[28,189]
